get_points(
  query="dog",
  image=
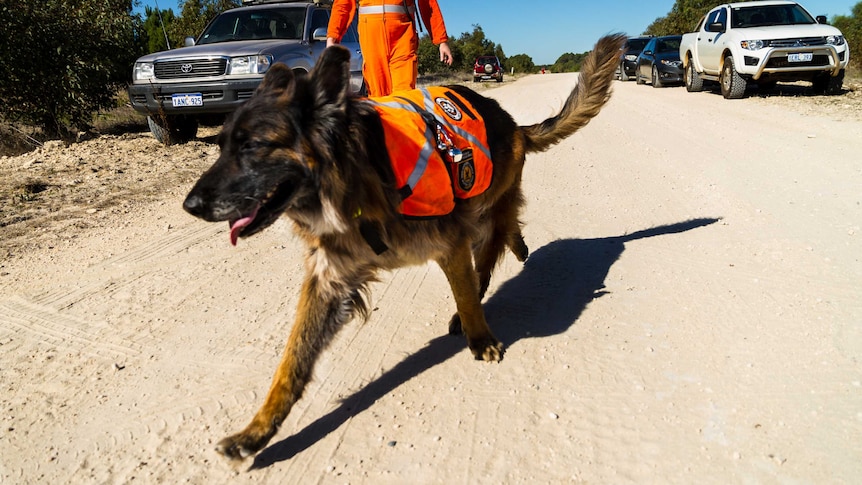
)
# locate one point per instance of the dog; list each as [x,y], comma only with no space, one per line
[305,147]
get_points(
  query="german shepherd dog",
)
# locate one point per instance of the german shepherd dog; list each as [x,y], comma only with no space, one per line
[305,147]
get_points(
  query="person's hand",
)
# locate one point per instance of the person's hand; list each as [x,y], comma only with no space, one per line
[330,41]
[445,54]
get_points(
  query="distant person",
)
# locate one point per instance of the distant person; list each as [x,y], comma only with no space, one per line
[388,38]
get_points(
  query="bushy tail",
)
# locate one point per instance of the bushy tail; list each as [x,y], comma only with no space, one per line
[586,100]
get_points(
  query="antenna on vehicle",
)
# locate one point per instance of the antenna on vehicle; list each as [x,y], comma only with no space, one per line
[159,11]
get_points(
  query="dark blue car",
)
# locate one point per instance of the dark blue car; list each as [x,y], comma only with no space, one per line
[659,62]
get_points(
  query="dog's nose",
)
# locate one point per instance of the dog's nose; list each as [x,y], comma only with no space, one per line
[194,205]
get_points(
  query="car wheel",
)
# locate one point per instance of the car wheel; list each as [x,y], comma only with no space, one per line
[732,84]
[693,81]
[827,84]
[170,130]
[500,79]
[656,80]
[623,75]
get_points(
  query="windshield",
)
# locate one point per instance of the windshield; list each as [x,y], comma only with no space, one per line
[636,44]
[742,17]
[277,23]
[670,44]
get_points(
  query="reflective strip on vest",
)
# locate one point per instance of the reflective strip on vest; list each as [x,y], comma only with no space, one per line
[429,106]
[428,181]
[383,9]
[427,149]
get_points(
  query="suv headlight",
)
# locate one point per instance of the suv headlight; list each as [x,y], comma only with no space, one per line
[752,45]
[249,65]
[835,39]
[144,71]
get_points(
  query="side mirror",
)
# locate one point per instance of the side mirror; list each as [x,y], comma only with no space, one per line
[716,27]
[648,53]
[190,41]
[319,33]
[821,19]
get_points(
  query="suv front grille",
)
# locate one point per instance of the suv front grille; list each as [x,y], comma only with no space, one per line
[190,69]
[798,42]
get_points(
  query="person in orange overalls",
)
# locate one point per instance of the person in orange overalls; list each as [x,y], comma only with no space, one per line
[388,38]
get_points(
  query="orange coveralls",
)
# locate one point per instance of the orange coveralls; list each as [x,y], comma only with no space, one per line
[388,40]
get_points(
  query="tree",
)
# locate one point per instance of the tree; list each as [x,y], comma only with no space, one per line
[683,17]
[475,44]
[521,63]
[569,62]
[63,60]
[465,49]
[153,29]
[851,27]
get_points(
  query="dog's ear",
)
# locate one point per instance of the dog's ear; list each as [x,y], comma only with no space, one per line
[278,79]
[331,75]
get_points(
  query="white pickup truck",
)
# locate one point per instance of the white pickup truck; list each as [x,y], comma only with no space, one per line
[763,42]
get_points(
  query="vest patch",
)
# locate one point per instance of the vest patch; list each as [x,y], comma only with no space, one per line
[438,148]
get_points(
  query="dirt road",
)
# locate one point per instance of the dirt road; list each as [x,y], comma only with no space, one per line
[691,312]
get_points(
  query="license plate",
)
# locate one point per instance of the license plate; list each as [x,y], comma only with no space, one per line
[805,57]
[181,100]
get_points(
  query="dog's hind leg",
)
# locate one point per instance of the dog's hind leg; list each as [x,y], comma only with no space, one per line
[458,267]
[323,309]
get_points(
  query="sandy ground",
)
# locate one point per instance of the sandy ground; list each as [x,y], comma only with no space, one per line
[691,312]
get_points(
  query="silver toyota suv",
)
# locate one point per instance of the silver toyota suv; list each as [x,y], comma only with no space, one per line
[220,70]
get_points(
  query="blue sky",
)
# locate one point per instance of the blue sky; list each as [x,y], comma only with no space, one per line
[546,29]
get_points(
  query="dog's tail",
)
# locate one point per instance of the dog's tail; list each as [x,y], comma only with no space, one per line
[586,100]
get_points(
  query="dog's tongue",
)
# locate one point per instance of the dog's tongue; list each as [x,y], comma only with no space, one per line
[237,226]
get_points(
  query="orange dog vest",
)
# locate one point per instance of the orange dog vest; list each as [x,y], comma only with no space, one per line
[425,129]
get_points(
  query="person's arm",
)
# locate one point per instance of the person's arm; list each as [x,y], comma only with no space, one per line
[341,15]
[432,17]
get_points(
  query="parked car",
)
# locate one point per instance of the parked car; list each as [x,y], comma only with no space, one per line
[762,43]
[659,62]
[487,67]
[221,69]
[629,57]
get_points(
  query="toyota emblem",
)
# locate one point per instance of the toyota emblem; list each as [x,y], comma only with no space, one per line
[186,68]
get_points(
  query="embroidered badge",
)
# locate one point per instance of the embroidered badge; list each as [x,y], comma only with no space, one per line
[466,171]
[449,108]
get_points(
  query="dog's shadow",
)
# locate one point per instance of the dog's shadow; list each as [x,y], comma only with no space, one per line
[546,298]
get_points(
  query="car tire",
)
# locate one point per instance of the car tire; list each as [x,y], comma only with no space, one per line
[623,75]
[693,81]
[170,130]
[500,79]
[732,84]
[656,79]
[827,84]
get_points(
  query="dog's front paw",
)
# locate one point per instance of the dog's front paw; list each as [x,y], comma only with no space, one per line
[240,446]
[488,349]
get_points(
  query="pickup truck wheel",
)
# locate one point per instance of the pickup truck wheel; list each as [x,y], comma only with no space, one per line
[826,84]
[732,84]
[656,79]
[693,81]
[170,130]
